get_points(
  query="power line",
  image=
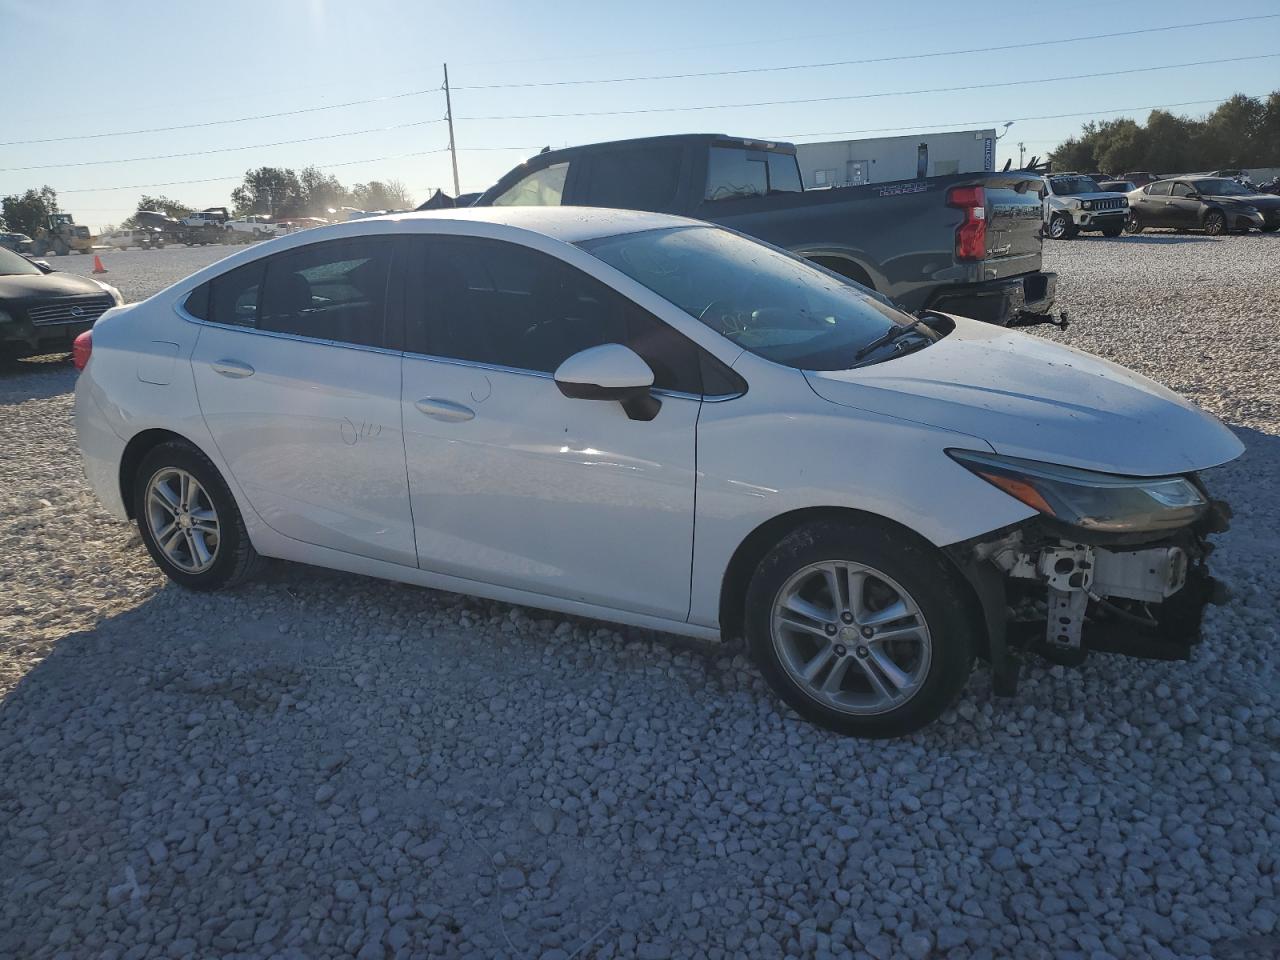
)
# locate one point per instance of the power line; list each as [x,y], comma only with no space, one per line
[217,123]
[974,123]
[201,153]
[239,176]
[872,60]
[869,96]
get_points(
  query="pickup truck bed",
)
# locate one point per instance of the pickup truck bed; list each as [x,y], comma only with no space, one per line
[966,243]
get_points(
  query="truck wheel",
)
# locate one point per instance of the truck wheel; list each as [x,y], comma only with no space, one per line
[1215,223]
[61,249]
[1061,227]
[860,627]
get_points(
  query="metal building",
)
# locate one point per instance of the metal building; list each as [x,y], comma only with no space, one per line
[843,163]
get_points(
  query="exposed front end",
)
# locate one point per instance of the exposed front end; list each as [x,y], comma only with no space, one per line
[1110,564]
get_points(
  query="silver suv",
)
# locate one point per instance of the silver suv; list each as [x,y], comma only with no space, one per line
[1074,202]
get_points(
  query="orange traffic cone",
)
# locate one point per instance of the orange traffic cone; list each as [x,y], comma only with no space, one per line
[97,264]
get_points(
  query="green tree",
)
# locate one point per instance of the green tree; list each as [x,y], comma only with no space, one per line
[376,195]
[27,212]
[269,191]
[321,192]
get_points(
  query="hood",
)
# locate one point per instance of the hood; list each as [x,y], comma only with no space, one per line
[47,285]
[1263,201]
[1033,398]
[1100,195]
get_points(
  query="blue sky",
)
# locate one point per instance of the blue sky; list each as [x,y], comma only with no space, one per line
[132,65]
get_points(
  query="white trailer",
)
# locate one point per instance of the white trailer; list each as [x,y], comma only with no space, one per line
[844,163]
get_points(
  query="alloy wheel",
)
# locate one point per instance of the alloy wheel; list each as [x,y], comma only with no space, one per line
[851,638]
[182,520]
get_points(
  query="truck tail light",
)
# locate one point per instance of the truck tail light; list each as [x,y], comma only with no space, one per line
[971,235]
[81,347]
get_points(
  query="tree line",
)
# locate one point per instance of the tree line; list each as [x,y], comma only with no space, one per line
[277,192]
[1243,132]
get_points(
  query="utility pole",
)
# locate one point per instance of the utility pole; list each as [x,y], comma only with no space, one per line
[1022,150]
[453,150]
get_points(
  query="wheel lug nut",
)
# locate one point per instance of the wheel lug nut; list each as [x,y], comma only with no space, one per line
[831,629]
[847,617]
[863,652]
[867,632]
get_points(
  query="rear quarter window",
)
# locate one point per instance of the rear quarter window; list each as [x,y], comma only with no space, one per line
[634,179]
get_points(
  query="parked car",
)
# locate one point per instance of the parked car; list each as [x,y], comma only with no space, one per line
[1140,177]
[17,242]
[145,237]
[1118,186]
[542,406]
[42,310]
[966,243]
[1215,205]
[210,217]
[250,228]
[1074,203]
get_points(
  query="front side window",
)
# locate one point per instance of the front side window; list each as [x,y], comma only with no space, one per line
[1181,190]
[542,188]
[501,304]
[335,290]
[771,303]
[1159,189]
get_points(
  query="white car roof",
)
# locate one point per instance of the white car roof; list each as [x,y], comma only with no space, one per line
[568,224]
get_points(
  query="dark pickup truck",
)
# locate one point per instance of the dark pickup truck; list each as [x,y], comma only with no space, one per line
[966,243]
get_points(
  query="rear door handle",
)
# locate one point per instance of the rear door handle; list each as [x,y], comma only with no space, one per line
[445,410]
[232,368]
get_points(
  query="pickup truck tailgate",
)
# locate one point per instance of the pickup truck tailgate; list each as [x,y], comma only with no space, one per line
[1014,223]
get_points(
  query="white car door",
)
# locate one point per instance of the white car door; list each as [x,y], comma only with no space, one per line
[301,392]
[516,485]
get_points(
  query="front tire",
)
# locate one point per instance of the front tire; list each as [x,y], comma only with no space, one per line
[189,520]
[1215,223]
[1061,227]
[860,627]
[1112,231]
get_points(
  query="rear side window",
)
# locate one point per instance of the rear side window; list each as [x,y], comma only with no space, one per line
[329,291]
[231,298]
[635,179]
[542,188]
[501,304]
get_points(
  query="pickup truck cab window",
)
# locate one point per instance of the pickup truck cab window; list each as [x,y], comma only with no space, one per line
[741,172]
[542,188]
[634,178]
[773,304]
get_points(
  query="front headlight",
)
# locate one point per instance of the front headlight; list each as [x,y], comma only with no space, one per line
[1086,204]
[1084,498]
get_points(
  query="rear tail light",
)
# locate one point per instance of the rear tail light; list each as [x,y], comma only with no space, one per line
[81,347]
[971,235]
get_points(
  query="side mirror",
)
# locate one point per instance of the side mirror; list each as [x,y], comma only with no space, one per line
[610,372]
[1193,196]
[43,265]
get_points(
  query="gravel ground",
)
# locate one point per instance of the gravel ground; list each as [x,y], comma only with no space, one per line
[321,765]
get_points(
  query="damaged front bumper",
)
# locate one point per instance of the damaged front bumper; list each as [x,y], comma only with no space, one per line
[1062,592]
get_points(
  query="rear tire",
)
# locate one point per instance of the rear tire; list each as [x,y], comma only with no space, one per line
[189,520]
[887,655]
[1270,228]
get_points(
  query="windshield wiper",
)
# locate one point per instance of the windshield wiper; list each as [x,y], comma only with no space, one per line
[893,333]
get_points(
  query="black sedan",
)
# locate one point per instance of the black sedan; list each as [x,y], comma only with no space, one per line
[41,310]
[1215,205]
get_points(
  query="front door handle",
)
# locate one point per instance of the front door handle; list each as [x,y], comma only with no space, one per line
[232,368]
[445,410]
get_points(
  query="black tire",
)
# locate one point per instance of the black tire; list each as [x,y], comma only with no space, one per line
[1061,223]
[234,558]
[918,569]
[1215,223]
[1112,231]
[1270,227]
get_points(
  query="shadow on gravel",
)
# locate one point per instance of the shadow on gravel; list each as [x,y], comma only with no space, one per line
[36,378]
[1165,239]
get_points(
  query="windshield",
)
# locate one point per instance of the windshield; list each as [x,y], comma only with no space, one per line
[775,305]
[1072,186]
[12,265]
[1221,188]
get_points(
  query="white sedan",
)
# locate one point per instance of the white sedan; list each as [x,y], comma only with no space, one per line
[662,423]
